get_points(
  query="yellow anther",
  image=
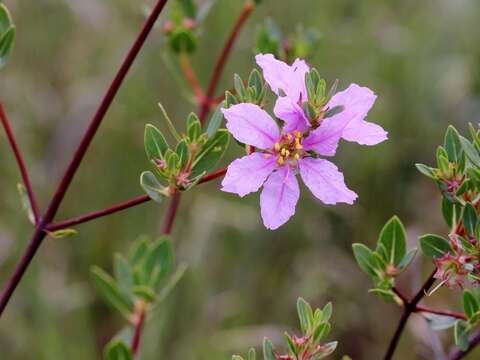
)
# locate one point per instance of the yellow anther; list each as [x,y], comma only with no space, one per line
[298,147]
[280,160]
[283,151]
[298,134]
[277,146]
[287,153]
[289,137]
[297,156]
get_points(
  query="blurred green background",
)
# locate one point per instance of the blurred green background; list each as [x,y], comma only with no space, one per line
[421,58]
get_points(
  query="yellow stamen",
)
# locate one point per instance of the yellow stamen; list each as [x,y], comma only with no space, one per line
[287,153]
[297,134]
[280,160]
[298,147]
[283,151]
[289,137]
[277,146]
[297,156]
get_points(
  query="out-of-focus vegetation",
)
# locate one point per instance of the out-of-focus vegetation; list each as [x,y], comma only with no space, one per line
[421,58]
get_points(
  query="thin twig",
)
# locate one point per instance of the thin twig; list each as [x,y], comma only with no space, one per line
[218,70]
[20,162]
[67,178]
[137,333]
[171,214]
[119,207]
[191,77]
[409,309]
[473,342]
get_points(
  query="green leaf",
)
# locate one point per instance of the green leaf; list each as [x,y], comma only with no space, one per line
[161,255]
[5,19]
[139,250]
[251,354]
[183,152]
[145,292]
[469,219]
[215,120]
[321,331]
[6,45]
[109,290]
[470,151]
[327,312]
[123,273]
[328,349]
[407,259]
[452,144]
[25,201]
[386,295]
[470,304]
[434,246]
[239,87]
[118,350]
[268,352]
[461,331]
[394,241]
[63,233]
[152,187]
[155,143]
[189,8]
[305,315]
[255,81]
[451,212]
[439,322]
[426,170]
[365,260]
[211,153]
[194,127]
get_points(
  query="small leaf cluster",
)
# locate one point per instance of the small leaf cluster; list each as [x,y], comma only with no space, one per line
[181,28]
[7,35]
[180,167]
[318,97]
[471,307]
[457,176]
[315,326]
[388,260]
[140,281]
[252,91]
[270,40]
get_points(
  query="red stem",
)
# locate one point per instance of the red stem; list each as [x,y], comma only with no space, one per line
[191,77]
[20,162]
[119,207]
[171,214]
[457,315]
[62,188]
[218,70]
[458,354]
[137,334]
[409,309]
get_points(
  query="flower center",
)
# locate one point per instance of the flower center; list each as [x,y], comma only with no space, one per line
[289,147]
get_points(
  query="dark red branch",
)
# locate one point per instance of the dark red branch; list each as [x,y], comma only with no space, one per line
[137,334]
[453,314]
[98,214]
[220,65]
[62,188]
[20,162]
[191,77]
[171,214]
[409,309]
[473,342]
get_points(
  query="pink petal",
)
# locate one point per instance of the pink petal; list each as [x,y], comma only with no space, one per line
[279,75]
[279,197]
[325,181]
[292,114]
[357,101]
[247,174]
[324,140]
[251,125]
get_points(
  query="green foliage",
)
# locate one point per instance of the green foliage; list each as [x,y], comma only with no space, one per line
[25,201]
[314,326]
[182,167]
[434,246]
[117,350]
[252,91]
[388,260]
[7,35]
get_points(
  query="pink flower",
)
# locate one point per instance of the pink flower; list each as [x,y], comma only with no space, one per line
[279,156]
[290,81]
[282,154]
